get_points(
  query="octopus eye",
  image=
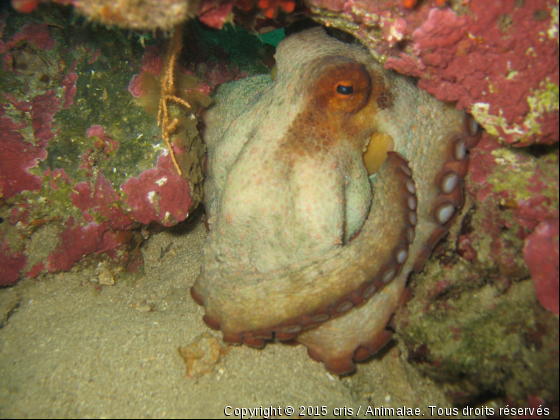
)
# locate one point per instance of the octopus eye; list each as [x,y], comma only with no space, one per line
[344,89]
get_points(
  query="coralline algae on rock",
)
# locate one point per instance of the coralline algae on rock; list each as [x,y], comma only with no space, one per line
[78,157]
[498,60]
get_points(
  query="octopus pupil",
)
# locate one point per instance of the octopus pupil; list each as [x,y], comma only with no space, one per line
[345,90]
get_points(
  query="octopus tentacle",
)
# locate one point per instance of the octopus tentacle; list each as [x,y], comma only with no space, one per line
[355,337]
[299,297]
[449,183]
[340,342]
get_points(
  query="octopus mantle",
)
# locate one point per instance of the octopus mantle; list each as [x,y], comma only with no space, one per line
[303,244]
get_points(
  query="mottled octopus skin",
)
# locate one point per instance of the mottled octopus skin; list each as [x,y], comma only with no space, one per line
[299,235]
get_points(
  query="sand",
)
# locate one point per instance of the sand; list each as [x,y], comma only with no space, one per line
[72,348]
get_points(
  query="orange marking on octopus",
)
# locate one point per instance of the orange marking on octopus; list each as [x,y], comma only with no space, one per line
[342,89]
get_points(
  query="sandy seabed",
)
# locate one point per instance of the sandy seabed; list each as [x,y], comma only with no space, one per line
[70,348]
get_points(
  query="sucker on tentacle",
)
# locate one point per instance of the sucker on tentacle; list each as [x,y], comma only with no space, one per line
[301,245]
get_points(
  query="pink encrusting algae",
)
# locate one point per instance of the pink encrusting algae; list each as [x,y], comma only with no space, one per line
[63,158]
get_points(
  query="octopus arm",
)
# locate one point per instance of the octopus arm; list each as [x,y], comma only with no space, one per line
[300,296]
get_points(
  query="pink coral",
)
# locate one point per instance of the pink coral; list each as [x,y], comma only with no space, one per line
[497,59]
[541,255]
[475,58]
[35,270]
[101,200]
[43,108]
[69,84]
[76,241]
[16,156]
[214,12]
[151,62]
[25,6]
[158,195]
[36,34]
[11,263]
[105,141]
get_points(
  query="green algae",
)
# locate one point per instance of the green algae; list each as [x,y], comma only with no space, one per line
[519,179]
[553,29]
[273,37]
[242,47]
[489,342]
[102,98]
[53,201]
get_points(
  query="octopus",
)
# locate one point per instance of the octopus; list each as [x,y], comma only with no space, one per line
[326,187]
